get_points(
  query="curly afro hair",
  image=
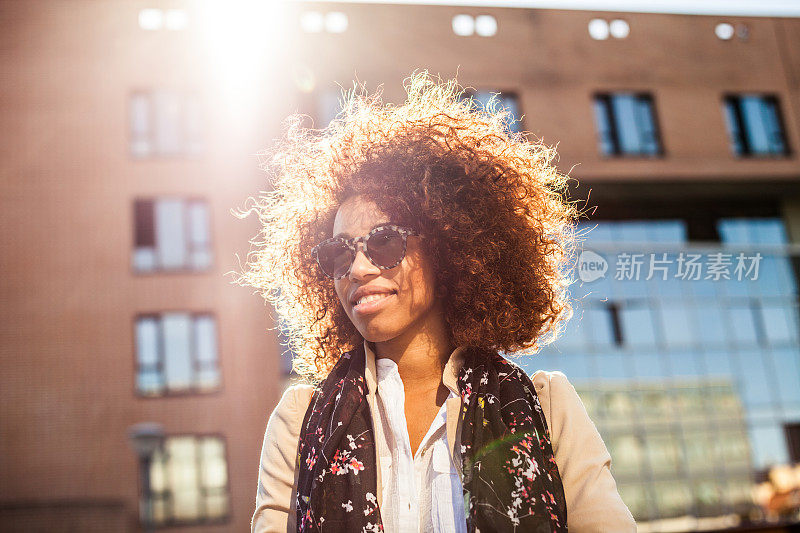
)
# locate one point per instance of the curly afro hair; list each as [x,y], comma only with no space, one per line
[498,229]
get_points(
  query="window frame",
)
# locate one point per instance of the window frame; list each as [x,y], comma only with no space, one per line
[519,117]
[202,490]
[197,365]
[189,243]
[736,125]
[191,138]
[612,131]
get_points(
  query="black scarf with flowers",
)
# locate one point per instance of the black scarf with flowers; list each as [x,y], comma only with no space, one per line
[510,476]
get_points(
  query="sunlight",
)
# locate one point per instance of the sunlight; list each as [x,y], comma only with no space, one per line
[241,37]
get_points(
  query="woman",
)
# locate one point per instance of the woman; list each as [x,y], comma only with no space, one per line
[405,248]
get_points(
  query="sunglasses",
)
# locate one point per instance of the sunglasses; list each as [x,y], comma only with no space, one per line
[384,246]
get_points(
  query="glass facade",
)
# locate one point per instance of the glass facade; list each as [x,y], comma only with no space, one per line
[686,357]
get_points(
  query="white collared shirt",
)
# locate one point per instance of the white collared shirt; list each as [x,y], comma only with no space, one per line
[422,492]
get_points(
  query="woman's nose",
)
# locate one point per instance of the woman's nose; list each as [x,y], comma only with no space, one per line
[362,267]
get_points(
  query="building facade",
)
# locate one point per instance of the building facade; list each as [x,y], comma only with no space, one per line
[132,132]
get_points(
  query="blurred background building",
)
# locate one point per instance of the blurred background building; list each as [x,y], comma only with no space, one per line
[130,134]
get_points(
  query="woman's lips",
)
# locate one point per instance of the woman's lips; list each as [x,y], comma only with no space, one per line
[374,305]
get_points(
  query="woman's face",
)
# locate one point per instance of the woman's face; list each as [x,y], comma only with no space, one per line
[404,295]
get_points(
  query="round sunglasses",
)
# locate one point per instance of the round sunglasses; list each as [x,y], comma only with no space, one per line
[384,246]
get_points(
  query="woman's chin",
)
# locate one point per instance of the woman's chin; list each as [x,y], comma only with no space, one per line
[378,330]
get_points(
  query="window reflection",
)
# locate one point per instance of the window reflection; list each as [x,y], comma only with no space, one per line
[690,382]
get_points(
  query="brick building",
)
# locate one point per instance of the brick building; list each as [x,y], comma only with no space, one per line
[130,133]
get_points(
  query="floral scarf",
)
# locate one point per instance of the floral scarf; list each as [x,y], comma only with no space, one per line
[510,476]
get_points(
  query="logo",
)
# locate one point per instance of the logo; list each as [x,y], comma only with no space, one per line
[591,266]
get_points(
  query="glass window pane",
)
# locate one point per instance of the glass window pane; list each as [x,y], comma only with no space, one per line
[710,323]
[140,125]
[684,363]
[200,259]
[215,473]
[719,363]
[674,499]
[144,259]
[596,232]
[178,366]
[708,495]
[787,371]
[732,123]
[662,449]
[649,366]
[185,477]
[171,233]
[633,231]
[193,135]
[601,332]
[144,223]
[158,474]
[627,454]
[510,104]
[772,124]
[636,498]
[574,365]
[667,231]
[767,231]
[216,505]
[769,446]
[733,231]
[757,388]
[637,326]
[755,127]
[198,224]
[613,366]
[735,446]
[624,108]
[169,123]
[328,107]
[647,126]
[776,325]
[147,341]
[677,329]
[574,335]
[743,327]
[603,123]
[206,340]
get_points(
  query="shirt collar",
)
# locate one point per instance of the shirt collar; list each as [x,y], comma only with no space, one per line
[449,376]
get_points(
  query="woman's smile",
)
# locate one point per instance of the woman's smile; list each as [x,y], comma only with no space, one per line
[372,303]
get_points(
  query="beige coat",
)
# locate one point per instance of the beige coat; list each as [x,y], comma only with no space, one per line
[593,503]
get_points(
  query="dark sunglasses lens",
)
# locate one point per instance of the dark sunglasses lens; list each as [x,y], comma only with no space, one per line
[386,247]
[334,258]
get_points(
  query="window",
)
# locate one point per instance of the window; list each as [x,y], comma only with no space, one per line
[176,352]
[626,125]
[164,123]
[171,234]
[189,481]
[329,105]
[503,101]
[754,125]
